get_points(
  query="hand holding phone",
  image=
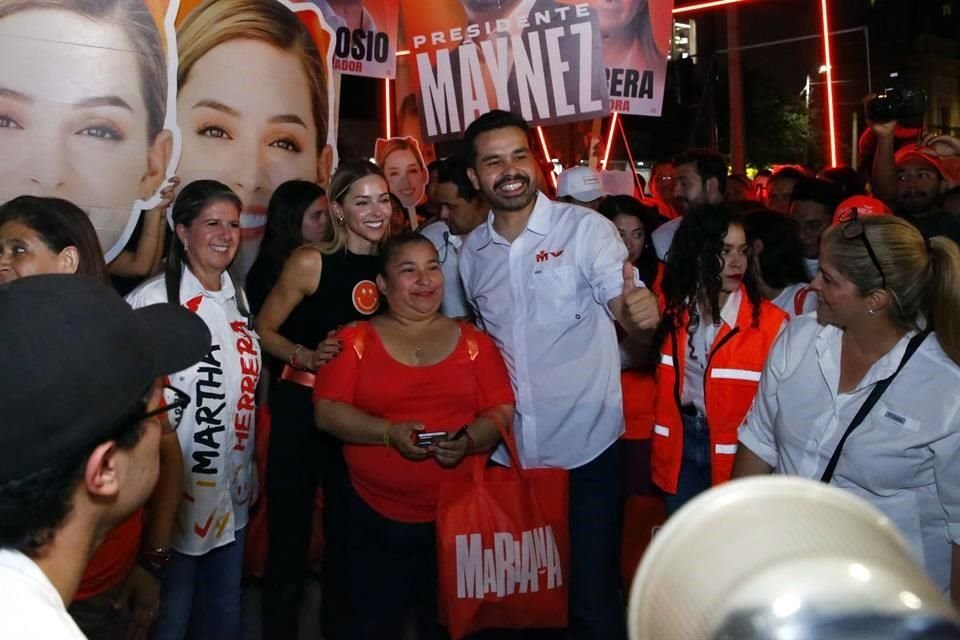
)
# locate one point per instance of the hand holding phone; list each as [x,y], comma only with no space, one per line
[430,438]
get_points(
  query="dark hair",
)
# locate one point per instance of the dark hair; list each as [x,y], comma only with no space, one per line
[781,260]
[710,164]
[847,178]
[490,121]
[694,265]
[433,165]
[283,234]
[35,506]
[825,193]
[790,172]
[60,224]
[647,263]
[454,170]
[398,243]
[190,203]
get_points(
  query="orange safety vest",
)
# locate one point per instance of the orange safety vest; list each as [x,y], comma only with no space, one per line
[730,383]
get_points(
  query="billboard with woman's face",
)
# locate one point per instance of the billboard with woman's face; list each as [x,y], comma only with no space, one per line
[84,97]
[254,101]
[101,100]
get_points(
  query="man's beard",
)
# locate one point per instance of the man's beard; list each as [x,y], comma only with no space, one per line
[522,199]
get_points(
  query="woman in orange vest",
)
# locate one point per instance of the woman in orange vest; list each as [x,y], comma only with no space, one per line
[713,340]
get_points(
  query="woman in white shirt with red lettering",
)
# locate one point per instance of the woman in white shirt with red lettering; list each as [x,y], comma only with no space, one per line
[881,288]
[201,590]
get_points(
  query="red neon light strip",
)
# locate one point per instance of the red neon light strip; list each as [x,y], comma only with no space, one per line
[546,154]
[829,62]
[606,152]
[704,5]
[386,108]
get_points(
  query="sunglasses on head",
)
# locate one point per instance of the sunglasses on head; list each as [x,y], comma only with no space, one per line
[852,228]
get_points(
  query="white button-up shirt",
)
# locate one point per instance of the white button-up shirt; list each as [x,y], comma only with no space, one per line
[902,458]
[216,432]
[448,249]
[30,607]
[543,298]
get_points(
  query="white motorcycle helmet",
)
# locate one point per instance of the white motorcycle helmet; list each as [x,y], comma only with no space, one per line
[778,558]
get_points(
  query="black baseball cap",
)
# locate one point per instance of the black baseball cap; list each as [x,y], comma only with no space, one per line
[75,361]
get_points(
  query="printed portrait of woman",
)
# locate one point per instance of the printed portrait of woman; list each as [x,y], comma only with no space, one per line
[631,31]
[404,168]
[83,95]
[254,102]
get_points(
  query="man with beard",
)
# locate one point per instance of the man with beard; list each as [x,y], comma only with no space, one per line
[919,184]
[700,177]
[546,279]
[462,209]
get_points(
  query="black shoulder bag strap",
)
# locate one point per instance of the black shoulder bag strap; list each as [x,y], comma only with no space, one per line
[871,400]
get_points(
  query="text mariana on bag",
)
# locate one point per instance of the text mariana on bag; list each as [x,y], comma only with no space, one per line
[510,565]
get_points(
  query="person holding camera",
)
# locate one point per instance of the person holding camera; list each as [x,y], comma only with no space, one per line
[412,395]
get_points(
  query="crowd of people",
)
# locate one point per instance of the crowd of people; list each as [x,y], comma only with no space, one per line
[405,318]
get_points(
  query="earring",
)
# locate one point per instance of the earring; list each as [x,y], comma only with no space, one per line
[871,311]
[340,219]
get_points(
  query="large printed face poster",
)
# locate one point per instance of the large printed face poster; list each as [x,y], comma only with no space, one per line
[98,107]
[86,106]
[365,35]
[254,102]
[636,42]
[538,58]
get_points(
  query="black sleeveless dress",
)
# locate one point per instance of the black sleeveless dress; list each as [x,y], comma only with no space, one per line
[299,455]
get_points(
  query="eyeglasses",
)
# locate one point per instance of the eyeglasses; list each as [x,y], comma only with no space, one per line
[174,404]
[853,229]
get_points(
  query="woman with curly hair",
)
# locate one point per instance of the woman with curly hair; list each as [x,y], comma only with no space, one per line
[713,340]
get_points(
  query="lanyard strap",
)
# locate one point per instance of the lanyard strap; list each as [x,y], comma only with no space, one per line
[871,400]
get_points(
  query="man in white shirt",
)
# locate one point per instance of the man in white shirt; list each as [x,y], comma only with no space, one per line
[546,280]
[79,448]
[462,209]
[700,177]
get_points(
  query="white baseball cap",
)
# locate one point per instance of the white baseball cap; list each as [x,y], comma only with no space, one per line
[582,183]
[779,557]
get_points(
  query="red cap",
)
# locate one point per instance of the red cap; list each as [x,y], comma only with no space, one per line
[916,152]
[864,205]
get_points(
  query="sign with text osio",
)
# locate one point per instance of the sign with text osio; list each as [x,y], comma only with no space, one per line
[636,41]
[538,58]
[365,35]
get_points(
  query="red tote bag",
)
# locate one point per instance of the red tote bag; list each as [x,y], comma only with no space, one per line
[503,548]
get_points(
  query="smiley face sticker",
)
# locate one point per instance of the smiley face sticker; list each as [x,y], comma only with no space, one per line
[366,297]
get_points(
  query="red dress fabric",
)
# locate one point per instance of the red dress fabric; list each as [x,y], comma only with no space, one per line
[114,558]
[443,397]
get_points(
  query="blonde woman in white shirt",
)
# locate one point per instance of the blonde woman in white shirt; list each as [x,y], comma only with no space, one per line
[879,286]
[201,589]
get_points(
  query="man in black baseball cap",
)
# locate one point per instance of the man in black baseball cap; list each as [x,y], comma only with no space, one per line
[82,407]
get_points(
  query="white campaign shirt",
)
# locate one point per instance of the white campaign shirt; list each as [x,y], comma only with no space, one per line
[543,299]
[217,431]
[903,457]
[448,248]
[30,606]
[662,237]
[787,300]
[695,366]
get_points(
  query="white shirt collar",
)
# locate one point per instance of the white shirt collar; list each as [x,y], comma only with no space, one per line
[731,308]
[191,287]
